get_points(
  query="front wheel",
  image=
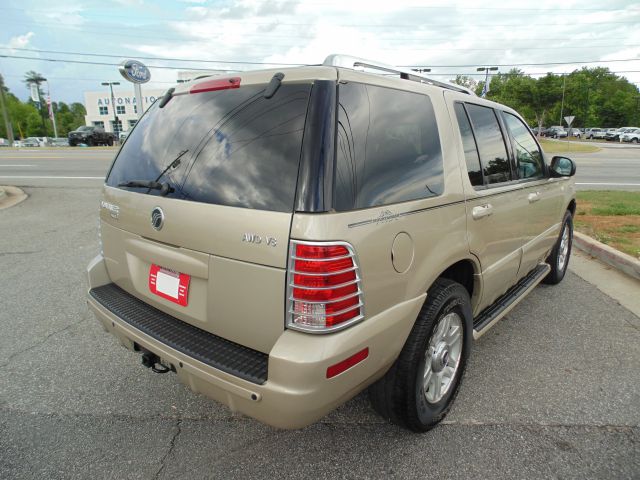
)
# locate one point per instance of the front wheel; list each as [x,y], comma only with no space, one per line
[559,257]
[634,140]
[110,142]
[419,389]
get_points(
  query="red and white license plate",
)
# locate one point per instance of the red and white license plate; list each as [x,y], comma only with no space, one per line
[170,285]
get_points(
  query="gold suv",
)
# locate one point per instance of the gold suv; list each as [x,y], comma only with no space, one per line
[282,240]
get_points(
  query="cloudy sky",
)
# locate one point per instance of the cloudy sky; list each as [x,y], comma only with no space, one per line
[451,37]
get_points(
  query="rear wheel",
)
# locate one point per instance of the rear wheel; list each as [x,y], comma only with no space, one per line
[110,142]
[420,387]
[559,257]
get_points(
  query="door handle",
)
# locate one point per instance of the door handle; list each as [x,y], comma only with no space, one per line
[534,197]
[482,211]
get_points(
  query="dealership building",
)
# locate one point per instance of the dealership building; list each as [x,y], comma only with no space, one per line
[100,110]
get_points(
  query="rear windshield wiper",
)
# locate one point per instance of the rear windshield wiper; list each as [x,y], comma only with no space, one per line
[164,188]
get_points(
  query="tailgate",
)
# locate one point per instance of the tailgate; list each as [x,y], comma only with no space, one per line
[228,158]
[236,288]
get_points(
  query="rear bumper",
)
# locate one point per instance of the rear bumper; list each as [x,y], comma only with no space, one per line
[296,392]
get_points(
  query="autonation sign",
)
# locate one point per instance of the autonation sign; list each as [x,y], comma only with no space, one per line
[135,71]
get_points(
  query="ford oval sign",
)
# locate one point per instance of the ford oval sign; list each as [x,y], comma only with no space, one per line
[135,71]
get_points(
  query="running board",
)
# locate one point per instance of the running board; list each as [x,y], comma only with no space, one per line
[503,305]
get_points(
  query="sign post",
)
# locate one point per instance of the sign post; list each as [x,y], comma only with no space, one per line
[569,119]
[137,73]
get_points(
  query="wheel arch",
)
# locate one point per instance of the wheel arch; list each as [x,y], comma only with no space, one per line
[572,207]
[466,272]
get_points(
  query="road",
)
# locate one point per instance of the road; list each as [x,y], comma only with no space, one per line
[553,391]
[614,167]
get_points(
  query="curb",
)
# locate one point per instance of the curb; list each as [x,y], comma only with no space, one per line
[2,194]
[610,256]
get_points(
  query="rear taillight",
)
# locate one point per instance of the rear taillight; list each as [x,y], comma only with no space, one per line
[324,287]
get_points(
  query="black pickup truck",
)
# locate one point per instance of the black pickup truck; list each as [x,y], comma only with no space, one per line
[90,136]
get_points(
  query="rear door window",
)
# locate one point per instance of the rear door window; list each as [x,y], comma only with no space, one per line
[470,148]
[491,145]
[388,147]
[242,150]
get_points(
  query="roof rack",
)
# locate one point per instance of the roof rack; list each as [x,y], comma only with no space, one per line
[348,61]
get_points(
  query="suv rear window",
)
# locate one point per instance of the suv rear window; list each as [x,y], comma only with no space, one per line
[388,147]
[242,150]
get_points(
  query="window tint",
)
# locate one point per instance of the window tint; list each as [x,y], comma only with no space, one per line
[493,153]
[388,147]
[243,149]
[528,156]
[469,144]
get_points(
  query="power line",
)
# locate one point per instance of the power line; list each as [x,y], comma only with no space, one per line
[57,52]
[249,63]
[236,62]
[169,59]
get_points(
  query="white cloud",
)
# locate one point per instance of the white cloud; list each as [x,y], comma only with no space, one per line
[20,41]
[65,14]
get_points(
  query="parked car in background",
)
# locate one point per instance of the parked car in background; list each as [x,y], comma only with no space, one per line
[4,142]
[632,135]
[17,143]
[31,142]
[592,133]
[615,136]
[575,132]
[90,135]
[59,142]
[555,132]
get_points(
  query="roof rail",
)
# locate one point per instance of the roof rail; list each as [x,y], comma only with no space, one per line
[348,61]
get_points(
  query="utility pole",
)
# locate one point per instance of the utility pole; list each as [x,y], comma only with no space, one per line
[564,82]
[5,115]
[52,115]
[116,130]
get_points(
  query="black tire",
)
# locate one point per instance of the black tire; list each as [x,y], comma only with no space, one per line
[556,274]
[89,142]
[399,396]
[634,140]
[110,142]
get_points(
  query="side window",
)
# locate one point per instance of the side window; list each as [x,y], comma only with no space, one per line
[469,144]
[528,155]
[388,147]
[493,153]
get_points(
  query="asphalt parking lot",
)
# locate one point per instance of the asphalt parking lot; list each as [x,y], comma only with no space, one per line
[553,391]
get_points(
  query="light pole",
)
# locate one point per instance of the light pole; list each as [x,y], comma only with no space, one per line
[485,90]
[116,130]
[50,110]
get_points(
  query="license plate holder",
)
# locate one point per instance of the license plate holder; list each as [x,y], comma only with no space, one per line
[169,284]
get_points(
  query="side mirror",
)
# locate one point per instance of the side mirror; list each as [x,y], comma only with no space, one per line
[562,167]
